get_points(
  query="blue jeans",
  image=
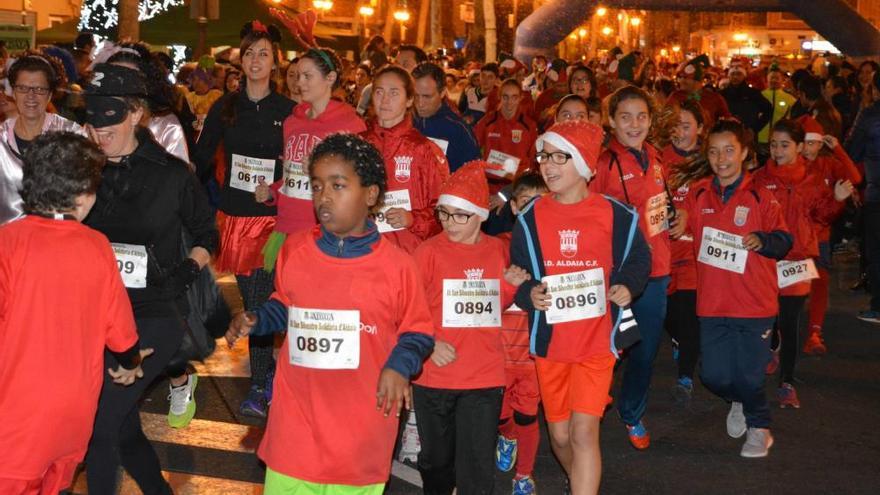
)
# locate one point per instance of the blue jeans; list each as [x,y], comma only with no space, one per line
[735,355]
[650,312]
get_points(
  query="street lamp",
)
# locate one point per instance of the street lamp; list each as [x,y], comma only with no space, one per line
[322,5]
[636,22]
[401,15]
[601,11]
[606,30]
[582,32]
[366,11]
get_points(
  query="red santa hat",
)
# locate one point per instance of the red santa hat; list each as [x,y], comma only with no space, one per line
[467,189]
[812,128]
[582,140]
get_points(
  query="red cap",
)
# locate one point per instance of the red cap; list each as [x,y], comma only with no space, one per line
[812,128]
[468,189]
[582,140]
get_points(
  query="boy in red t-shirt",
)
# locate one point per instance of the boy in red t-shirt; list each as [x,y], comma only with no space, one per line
[583,252]
[48,329]
[355,315]
[518,430]
[468,284]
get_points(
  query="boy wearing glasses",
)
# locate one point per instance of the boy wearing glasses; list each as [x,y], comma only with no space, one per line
[582,251]
[468,285]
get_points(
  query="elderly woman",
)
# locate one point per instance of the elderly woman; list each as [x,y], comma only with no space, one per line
[33,79]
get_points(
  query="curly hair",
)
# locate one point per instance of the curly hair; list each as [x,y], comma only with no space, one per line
[58,167]
[363,156]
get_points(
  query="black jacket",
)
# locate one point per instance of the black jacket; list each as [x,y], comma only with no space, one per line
[748,105]
[257,133]
[147,199]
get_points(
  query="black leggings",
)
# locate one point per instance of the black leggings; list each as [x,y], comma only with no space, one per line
[683,325]
[118,438]
[786,337]
[255,290]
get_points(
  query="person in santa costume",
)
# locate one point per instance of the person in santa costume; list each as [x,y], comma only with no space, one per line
[587,260]
[468,285]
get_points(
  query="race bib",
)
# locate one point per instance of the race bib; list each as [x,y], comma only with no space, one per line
[296,181]
[723,250]
[576,296]
[131,260]
[655,214]
[393,199]
[792,272]
[327,339]
[471,303]
[509,163]
[442,143]
[247,171]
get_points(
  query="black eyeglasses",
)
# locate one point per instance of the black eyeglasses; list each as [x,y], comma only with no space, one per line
[37,90]
[557,157]
[459,218]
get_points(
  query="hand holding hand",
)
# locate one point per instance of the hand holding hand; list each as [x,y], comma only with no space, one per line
[240,326]
[515,275]
[122,376]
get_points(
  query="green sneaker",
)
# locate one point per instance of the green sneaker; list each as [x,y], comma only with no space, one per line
[183,402]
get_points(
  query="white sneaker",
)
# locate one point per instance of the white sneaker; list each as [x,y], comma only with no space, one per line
[758,443]
[736,420]
[183,403]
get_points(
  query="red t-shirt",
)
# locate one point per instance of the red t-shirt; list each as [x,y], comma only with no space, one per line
[644,190]
[725,293]
[61,302]
[447,266]
[515,332]
[575,238]
[293,192]
[324,426]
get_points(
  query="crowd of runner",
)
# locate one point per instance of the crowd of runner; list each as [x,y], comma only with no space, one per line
[449,246]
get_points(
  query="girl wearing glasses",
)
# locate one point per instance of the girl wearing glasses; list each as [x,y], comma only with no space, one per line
[33,79]
[415,166]
[468,285]
[582,251]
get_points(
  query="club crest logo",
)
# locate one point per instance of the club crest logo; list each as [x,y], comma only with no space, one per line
[402,167]
[683,190]
[474,274]
[741,215]
[568,242]
[516,135]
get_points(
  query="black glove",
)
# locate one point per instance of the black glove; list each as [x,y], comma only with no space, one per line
[180,278]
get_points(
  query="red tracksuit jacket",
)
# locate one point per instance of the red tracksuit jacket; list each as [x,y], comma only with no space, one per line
[413,163]
[750,208]
[644,190]
[806,201]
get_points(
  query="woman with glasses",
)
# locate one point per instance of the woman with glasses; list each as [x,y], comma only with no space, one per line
[33,79]
[415,166]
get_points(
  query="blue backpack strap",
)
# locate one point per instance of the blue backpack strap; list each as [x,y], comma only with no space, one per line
[632,228]
[533,258]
